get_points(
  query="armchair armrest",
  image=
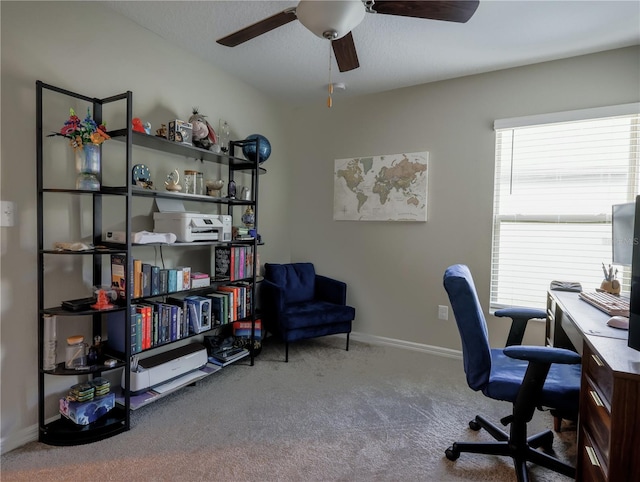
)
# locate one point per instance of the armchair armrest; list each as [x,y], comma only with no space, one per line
[331,290]
[520,317]
[271,298]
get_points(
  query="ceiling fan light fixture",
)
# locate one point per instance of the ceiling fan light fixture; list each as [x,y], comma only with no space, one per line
[333,19]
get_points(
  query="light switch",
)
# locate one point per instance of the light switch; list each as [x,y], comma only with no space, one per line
[7,210]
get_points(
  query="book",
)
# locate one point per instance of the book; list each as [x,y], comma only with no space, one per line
[145,311]
[165,317]
[222,263]
[137,278]
[218,316]
[174,323]
[243,329]
[185,282]
[248,295]
[119,274]
[116,331]
[233,300]
[234,355]
[172,281]
[155,280]
[200,280]
[146,279]
[202,320]
[138,328]
[164,274]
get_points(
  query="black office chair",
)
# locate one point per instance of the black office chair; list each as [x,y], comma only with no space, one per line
[530,377]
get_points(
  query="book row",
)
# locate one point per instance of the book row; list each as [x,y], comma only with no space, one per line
[150,280]
[233,262]
[157,323]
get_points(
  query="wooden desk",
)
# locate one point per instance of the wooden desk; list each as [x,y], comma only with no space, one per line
[609,422]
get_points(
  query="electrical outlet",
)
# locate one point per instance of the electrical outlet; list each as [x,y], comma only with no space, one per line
[443,312]
[7,210]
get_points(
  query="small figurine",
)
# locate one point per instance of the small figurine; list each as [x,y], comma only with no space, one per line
[147,128]
[172,181]
[136,123]
[162,131]
[104,297]
[203,134]
[231,190]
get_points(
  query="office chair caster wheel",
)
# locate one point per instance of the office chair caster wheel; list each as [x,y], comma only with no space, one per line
[452,453]
[474,425]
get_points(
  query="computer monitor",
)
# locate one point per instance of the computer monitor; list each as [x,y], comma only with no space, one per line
[634,302]
[623,239]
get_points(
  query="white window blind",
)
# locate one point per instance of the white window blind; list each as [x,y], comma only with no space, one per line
[556,179]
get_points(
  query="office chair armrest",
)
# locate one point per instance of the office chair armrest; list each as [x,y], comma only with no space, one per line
[542,354]
[520,317]
[331,290]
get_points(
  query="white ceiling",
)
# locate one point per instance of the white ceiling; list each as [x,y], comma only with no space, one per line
[290,63]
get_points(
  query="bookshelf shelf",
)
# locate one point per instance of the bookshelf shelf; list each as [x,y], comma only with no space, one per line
[64,432]
[62,371]
[69,271]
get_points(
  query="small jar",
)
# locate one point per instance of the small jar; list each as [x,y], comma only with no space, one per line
[200,184]
[190,181]
[76,353]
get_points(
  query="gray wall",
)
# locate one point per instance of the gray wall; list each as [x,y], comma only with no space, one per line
[394,270]
[84,47]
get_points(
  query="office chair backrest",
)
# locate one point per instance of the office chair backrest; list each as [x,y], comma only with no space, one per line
[299,279]
[476,352]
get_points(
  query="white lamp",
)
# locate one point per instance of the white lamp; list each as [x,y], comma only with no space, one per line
[330,19]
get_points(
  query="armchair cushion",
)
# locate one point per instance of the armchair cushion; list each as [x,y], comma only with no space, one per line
[298,279]
[315,313]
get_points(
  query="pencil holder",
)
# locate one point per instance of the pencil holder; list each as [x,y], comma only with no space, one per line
[612,287]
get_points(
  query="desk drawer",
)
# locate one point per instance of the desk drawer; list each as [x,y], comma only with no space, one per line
[595,418]
[591,468]
[599,374]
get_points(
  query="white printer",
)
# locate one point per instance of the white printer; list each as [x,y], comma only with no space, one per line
[190,227]
[164,367]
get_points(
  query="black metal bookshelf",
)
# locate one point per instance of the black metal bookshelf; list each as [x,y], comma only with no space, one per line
[62,431]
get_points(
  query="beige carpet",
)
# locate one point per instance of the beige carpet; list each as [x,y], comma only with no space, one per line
[373,413]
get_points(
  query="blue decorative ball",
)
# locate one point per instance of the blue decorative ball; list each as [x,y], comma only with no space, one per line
[249,149]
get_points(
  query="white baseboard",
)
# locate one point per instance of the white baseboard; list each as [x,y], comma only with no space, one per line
[18,439]
[407,345]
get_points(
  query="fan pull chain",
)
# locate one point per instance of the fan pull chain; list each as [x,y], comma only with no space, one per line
[329,99]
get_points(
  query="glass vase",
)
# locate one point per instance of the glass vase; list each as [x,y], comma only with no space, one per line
[88,167]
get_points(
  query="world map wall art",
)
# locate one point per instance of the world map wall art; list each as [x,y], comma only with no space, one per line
[381,188]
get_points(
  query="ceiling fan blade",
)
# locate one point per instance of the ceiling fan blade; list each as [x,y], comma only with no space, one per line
[345,51]
[258,28]
[449,11]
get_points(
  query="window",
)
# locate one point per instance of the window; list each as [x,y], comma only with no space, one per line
[556,178]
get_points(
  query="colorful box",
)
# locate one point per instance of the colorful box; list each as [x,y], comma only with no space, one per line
[200,280]
[84,413]
[180,131]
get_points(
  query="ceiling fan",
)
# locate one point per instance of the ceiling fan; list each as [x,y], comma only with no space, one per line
[334,20]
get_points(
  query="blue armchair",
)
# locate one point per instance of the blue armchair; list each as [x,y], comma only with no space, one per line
[297,303]
[529,377]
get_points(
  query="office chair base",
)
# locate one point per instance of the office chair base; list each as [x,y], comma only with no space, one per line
[520,453]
